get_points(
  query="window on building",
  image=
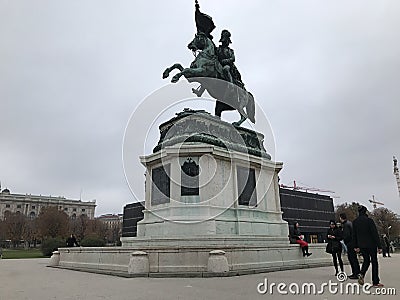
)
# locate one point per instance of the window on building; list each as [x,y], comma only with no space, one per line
[19,206]
[66,208]
[32,215]
[83,209]
[33,206]
[7,205]
[73,217]
[74,209]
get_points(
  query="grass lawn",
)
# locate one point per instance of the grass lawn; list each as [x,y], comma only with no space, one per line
[22,253]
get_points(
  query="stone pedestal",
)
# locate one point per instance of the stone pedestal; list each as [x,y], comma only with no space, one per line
[208,178]
[212,208]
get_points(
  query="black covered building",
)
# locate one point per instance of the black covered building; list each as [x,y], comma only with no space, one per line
[312,211]
[133,213]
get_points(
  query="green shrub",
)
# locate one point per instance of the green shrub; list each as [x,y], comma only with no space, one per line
[51,244]
[93,241]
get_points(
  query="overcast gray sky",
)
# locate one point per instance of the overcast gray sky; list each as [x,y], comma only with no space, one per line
[326,73]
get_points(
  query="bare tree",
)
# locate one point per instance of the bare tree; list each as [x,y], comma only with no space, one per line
[31,233]
[78,226]
[15,226]
[96,228]
[385,218]
[2,230]
[52,222]
[351,210]
[114,233]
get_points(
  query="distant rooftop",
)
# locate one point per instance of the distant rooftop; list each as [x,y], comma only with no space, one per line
[110,216]
[6,192]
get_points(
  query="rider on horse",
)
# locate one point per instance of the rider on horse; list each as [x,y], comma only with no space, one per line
[226,57]
[213,62]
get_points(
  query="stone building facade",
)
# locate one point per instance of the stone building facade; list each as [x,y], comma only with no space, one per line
[113,224]
[30,205]
[111,220]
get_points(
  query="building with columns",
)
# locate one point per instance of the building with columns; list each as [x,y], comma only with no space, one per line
[30,205]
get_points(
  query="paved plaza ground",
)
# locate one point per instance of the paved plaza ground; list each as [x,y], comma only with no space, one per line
[30,279]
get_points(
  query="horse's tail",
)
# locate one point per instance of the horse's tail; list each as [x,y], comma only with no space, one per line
[251,108]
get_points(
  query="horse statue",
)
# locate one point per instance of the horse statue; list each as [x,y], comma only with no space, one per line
[205,67]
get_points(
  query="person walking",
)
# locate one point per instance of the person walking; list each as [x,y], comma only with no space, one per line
[348,241]
[334,246]
[299,238]
[71,241]
[385,245]
[366,240]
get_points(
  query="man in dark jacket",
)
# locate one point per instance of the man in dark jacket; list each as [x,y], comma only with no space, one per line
[348,240]
[385,245]
[71,241]
[366,240]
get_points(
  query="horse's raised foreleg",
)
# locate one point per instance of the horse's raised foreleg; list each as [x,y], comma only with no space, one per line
[188,73]
[176,77]
[170,69]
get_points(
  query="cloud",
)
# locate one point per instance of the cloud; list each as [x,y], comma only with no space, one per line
[326,74]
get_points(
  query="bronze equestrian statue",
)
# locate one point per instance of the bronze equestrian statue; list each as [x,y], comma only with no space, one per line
[215,70]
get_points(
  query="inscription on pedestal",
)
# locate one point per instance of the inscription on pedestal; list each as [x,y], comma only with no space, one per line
[246,186]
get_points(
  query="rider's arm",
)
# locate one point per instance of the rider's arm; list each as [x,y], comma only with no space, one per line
[230,60]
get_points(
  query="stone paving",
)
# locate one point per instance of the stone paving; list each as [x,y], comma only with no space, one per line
[30,279]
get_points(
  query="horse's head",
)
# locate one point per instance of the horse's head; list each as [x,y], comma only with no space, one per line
[198,43]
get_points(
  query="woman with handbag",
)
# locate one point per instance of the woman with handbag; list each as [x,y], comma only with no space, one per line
[334,246]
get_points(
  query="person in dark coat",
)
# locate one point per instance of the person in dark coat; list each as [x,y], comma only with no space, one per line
[299,238]
[366,240]
[385,245]
[348,241]
[334,236]
[71,241]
